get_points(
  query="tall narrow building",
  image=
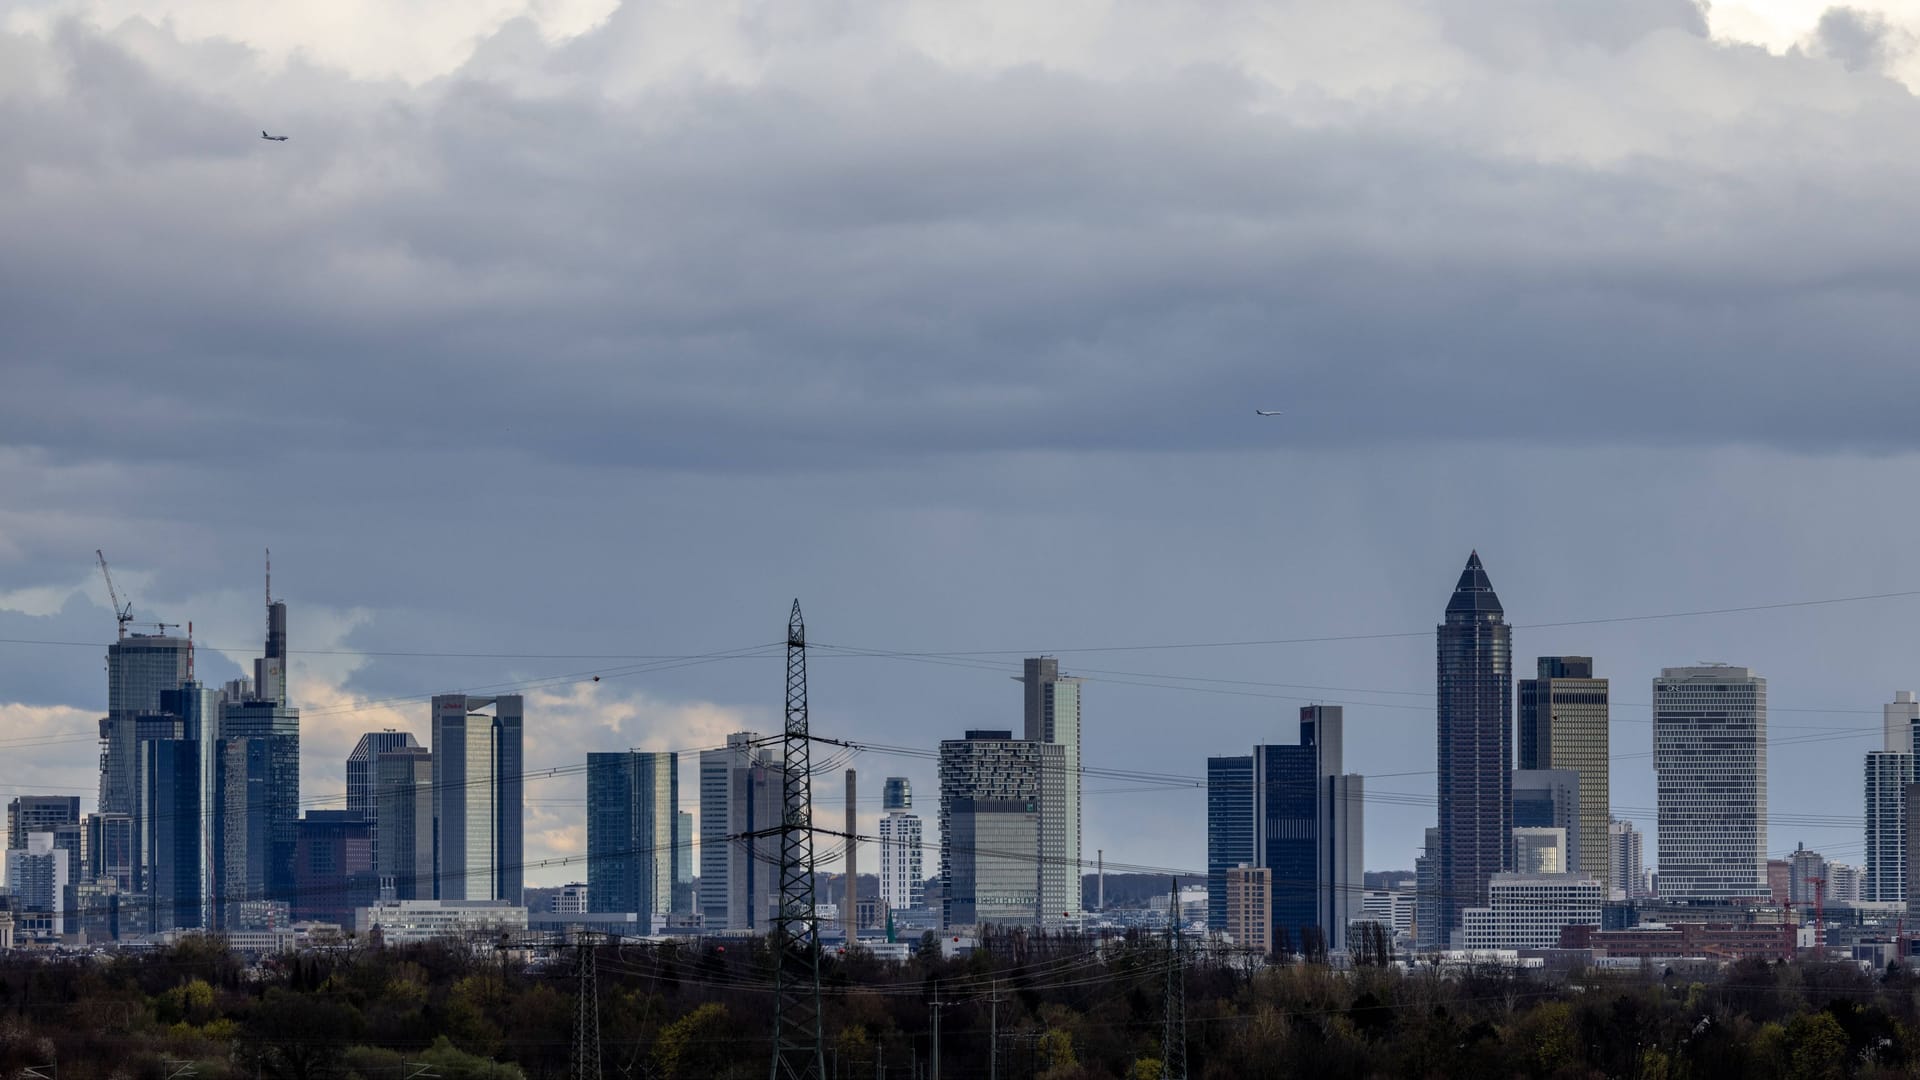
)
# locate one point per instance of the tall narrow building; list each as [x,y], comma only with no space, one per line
[1053,716]
[1563,725]
[902,881]
[1710,756]
[1230,829]
[1475,727]
[261,712]
[403,821]
[632,852]
[1624,854]
[478,807]
[1888,772]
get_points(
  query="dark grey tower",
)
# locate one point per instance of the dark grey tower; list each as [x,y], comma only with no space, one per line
[1475,721]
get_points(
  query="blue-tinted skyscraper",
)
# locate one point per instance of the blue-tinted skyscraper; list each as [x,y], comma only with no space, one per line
[1229,830]
[175,823]
[360,766]
[264,714]
[1292,810]
[632,820]
[1474,668]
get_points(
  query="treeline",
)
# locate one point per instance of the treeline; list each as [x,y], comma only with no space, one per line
[1062,1009]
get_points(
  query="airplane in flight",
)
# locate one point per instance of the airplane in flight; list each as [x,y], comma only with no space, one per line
[1266,412]
[273,138]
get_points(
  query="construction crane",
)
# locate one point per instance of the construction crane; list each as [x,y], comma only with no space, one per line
[122,613]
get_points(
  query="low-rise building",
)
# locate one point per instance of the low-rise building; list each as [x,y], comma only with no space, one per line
[404,921]
[1724,941]
[1528,911]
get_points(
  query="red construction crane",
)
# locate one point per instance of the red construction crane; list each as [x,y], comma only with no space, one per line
[122,613]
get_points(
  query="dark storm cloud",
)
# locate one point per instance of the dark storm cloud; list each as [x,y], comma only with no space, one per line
[909,258]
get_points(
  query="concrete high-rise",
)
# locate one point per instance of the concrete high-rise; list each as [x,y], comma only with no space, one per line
[1563,725]
[633,802]
[1426,893]
[360,766]
[1888,771]
[140,667]
[1710,754]
[741,792]
[1624,859]
[478,805]
[1002,836]
[1052,708]
[1475,729]
[902,881]
[403,821]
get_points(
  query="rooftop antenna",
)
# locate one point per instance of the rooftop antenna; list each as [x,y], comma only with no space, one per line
[189,650]
[122,613]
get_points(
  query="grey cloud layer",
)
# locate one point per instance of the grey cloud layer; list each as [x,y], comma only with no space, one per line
[899,255]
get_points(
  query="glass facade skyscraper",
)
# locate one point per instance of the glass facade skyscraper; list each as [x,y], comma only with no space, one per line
[1052,711]
[403,821]
[632,850]
[1475,735]
[360,766]
[1229,830]
[140,667]
[1002,801]
[478,801]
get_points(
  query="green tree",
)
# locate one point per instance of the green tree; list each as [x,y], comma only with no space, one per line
[694,1045]
[1816,1048]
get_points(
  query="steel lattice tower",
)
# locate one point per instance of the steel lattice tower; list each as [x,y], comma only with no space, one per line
[796,977]
[1173,1040]
[586,1015]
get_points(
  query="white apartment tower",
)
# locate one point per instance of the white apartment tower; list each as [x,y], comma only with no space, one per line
[1888,771]
[1710,753]
[1624,856]
[903,884]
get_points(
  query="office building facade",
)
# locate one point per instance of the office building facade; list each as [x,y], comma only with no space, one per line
[333,867]
[1003,852]
[478,801]
[902,879]
[1249,904]
[360,766]
[1052,712]
[37,881]
[1550,799]
[741,792]
[1887,775]
[261,712]
[632,817]
[1540,851]
[403,821]
[1625,860]
[140,667]
[1528,911]
[1474,677]
[39,813]
[1563,717]
[1710,757]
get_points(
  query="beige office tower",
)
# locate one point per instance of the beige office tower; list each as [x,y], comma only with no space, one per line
[1563,726]
[1250,908]
[1053,716]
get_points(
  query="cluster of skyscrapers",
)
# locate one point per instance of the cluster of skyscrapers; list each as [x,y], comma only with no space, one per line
[199,822]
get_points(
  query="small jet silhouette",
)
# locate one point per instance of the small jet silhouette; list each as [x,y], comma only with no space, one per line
[272,138]
[1266,412]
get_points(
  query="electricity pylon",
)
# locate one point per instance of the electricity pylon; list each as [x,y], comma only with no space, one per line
[796,974]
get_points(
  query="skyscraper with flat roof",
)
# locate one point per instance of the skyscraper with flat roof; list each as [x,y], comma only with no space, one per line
[478,807]
[632,853]
[1888,772]
[742,791]
[1052,709]
[403,821]
[1710,754]
[1475,729]
[1230,829]
[1563,725]
[1002,839]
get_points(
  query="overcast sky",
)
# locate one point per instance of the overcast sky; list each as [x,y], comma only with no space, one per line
[571,331]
